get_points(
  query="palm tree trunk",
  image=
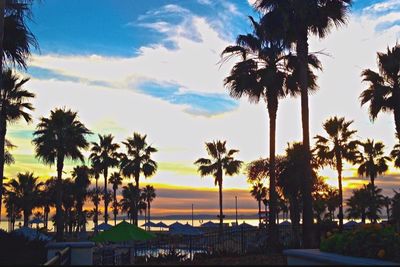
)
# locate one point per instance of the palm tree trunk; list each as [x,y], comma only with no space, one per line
[3,131]
[3,127]
[26,218]
[105,196]
[259,212]
[396,96]
[96,207]
[221,215]
[136,211]
[115,206]
[302,53]
[272,233]
[295,218]
[148,210]
[59,211]
[339,170]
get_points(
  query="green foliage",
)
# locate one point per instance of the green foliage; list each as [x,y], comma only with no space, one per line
[371,241]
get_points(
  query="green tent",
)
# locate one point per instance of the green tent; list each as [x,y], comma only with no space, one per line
[123,231]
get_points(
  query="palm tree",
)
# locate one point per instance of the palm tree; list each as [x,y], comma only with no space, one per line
[332,201]
[94,194]
[395,153]
[337,147]
[387,203]
[81,183]
[12,209]
[358,205]
[131,200]
[259,192]
[261,74]
[115,180]
[396,209]
[106,156]
[148,195]
[222,161]
[373,161]
[56,138]
[68,203]
[293,21]
[26,190]
[14,105]
[138,160]
[383,93]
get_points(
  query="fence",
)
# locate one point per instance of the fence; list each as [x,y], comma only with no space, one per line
[62,257]
[233,241]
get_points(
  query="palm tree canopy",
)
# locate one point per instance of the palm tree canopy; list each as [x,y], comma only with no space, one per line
[221,160]
[258,191]
[148,193]
[26,190]
[382,85]
[18,39]
[339,144]
[131,198]
[14,100]
[62,134]
[291,19]
[81,175]
[395,153]
[373,161]
[138,158]
[104,153]
[115,180]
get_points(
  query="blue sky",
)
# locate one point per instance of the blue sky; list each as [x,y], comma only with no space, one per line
[152,66]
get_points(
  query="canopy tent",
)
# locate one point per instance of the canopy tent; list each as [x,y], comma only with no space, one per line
[103,227]
[31,234]
[36,221]
[285,223]
[210,224]
[351,224]
[162,225]
[184,229]
[175,224]
[150,224]
[123,231]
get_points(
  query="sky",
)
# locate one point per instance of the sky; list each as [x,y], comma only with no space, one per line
[154,67]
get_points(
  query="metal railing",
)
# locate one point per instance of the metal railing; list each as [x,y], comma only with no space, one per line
[62,257]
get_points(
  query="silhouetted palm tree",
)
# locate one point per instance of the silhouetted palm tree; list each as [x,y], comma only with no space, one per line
[14,105]
[396,209]
[332,202]
[386,202]
[13,211]
[94,194]
[148,195]
[115,180]
[81,183]
[337,147]
[221,161]
[56,138]
[106,156]
[68,203]
[395,153]
[130,202]
[259,192]
[358,204]
[48,198]
[293,21]
[26,190]
[383,93]
[138,160]
[373,161]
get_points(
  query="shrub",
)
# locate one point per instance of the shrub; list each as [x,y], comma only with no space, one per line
[371,241]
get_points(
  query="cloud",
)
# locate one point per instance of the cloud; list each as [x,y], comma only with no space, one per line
[383,6]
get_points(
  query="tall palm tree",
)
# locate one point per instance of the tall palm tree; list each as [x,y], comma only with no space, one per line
[138,160]
[26,190]
[95,171]
[57,138]
[221,161]
[337,147]
[81,175]
[148,195]
[259,192]
[115,180]
[105,154]
[372,161]
[14,105]
[131,200]
[383,93]
[293,21]
[48,198]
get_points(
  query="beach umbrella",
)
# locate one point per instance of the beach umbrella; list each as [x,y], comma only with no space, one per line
[350,224]
[210,224]
[285,223]
[150,224]
[175,224]
[103,226]
[123,231]
[184,229]
[162,225]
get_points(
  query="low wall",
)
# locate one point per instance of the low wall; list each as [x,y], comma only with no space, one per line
[316,257]
[81,252]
